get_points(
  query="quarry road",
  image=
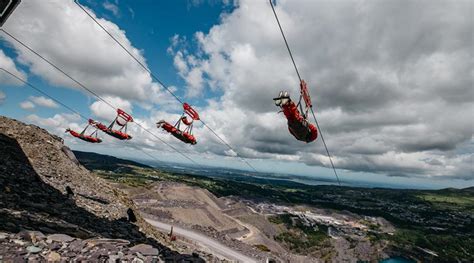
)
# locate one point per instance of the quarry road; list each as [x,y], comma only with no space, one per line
[211,244]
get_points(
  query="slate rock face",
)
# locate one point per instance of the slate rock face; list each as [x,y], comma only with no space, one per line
[15,248]
[144,249]
[40,221]
[59,238]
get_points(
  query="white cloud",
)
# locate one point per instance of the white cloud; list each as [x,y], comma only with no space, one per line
[180,64]
[58,123]
[44,102]
[63,33]
[112,8]
[104,112]
[392,95]
[132,12]
[195,82]
[27,105]
[8,64]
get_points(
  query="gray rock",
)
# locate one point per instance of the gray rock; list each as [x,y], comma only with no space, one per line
[53,257]
[54,246]
[34,259]
[19,242]
[114,259]
[18,259]
[69,254]
[76,245]
[145,250]
[33,249]
[60,238]
[99,253]
[110,247]
[137,260]
[140,256]
[69,154]
[97,241]
[32,236]
[3,236]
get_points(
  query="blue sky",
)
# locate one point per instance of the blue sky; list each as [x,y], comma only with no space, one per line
[139,20]
[152,24]
[378,95]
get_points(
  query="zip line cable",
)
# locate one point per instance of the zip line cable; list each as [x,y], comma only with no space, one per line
[128,52]
[43,93]
[85,118]
[93,93]
[109,104]
[230,147]
[159,81]
[299,77]
[64,105]
[327,151]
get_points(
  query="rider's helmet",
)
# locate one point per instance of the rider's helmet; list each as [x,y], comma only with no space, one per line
[282,99]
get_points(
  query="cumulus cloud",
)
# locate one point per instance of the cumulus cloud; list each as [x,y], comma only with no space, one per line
[27,105]
[112,8]
[41,101]
[44,102]
[391,82]
[103,111]
[8,64]
[58,120]
[64,34]
[58,123]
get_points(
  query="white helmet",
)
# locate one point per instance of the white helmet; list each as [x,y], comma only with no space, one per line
[282,99]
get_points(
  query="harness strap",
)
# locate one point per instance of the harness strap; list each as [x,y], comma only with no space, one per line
[178,123]
[94,133]
[83,131]
[112,124]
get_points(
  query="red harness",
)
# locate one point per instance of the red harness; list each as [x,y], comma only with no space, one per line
[92,138]
[185,135]
[87,138]
[297,125]
[121,120]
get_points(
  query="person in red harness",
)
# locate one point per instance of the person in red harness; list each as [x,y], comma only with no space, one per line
[298,126]
[84,137]
[184,135]
[121,120]
[88,138]
[177,133]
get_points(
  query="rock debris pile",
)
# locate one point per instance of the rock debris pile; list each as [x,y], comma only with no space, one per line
[54,209]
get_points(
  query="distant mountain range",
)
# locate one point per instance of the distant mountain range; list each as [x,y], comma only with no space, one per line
[95,161]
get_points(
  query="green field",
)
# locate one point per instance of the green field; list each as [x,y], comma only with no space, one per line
[449,201]
[300,238]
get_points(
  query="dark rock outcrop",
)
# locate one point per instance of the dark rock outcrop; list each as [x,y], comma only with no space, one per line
[34,172]
[131,216]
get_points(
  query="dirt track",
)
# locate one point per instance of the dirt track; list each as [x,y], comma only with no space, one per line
[214,246]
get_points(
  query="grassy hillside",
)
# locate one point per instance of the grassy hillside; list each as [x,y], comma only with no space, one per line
[95,161]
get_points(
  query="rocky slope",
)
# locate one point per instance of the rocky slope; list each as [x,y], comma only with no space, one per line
[40,220]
